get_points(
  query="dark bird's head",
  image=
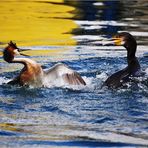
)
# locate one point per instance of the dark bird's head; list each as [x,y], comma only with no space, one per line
[128,41]
[11,51]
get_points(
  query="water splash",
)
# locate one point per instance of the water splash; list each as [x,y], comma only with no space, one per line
[4,80]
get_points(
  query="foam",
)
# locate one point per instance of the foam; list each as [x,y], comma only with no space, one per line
[146,71]
[3,80]
[103,76]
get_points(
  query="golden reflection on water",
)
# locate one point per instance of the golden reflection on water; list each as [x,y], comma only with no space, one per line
[10,127]
[35,22]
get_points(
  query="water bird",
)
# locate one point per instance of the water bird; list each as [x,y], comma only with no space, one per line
[33,74]
[133,69]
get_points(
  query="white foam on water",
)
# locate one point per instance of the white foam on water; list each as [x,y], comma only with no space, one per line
[3,80]
[146,71]
[103,76]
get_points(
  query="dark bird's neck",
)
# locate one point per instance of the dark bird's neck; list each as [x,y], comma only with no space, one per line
[133,64]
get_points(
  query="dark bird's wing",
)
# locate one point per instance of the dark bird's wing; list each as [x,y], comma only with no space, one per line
[117,79]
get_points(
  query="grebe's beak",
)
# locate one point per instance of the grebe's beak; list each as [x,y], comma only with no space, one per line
[18,52]
[21,50]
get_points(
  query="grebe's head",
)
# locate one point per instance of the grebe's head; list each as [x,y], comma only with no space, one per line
[11,51]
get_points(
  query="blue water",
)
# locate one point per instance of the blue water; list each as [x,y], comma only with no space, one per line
[90,116]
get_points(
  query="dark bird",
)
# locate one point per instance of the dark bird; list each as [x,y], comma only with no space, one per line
[133,69]
[33,74]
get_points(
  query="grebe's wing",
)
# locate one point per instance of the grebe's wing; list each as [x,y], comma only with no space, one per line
[62,71]
[68,75]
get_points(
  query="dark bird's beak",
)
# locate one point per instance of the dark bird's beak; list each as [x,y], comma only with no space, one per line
[118,41]
[114,41]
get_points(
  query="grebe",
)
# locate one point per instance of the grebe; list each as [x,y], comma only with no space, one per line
[33,74]
[133,68]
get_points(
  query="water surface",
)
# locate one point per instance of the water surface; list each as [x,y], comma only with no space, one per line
[72,32]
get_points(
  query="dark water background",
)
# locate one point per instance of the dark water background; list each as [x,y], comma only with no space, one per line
[79,117]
